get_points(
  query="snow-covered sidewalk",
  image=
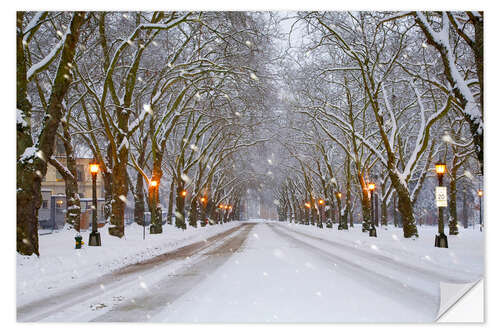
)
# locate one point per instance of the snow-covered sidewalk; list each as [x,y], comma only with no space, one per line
[60,265]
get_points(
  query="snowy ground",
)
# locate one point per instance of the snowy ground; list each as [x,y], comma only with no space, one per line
[60,265]
[259,272]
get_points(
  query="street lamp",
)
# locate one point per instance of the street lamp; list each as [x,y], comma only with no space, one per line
[183,193]
[321,204]
[373,231]
[95,236]
[156,227]
[339,201]
[203,201]
[441,240]
[308,208]
[221,207]
[480,194]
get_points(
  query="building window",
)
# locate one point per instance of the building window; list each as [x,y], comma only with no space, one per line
[45,204]
[60,150]
[80,174]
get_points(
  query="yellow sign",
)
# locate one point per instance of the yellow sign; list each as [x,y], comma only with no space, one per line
[441,197]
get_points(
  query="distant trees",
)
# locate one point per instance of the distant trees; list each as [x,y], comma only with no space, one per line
[369,84]
[155,92]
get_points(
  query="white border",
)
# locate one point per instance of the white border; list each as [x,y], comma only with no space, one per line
[8,172]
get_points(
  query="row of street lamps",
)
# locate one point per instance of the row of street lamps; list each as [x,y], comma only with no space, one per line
[440,241]
[441,201]
[95,236]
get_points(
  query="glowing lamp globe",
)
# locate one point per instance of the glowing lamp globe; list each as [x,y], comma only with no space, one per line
[94,168]
[440,168]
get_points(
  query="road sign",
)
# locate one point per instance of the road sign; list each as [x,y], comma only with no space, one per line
[441,197]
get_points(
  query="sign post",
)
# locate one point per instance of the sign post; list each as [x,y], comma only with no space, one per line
[441,196]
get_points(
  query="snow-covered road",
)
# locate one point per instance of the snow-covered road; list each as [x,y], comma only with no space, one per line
[261,272]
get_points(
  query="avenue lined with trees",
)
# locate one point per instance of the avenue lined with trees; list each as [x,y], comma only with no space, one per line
[334,118]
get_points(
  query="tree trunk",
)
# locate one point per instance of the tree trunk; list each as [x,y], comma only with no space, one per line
[193,216]
[120,190]
[465,218]
[180,219]
[31,167]
[73,209]
[452,221]
[170,202]
[405,208]
[139,208]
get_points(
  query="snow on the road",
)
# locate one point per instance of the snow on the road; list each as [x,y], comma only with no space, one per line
[464,257]
[282,273]
[273,278]
[60,265]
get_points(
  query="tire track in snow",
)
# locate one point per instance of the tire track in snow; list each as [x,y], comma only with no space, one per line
[173,286]
[385,285]
[428,274]
[83,292]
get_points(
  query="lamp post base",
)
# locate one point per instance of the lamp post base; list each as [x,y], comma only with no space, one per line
[373,232]
[441,241]
[95,239]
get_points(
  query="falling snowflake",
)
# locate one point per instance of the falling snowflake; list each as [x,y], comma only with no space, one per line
[447,138]
[186,178]
[147,108]
[254,77]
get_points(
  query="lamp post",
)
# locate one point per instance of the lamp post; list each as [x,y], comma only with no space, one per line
[339,203]
[95,236]
[441,240]
[156,227]
[229,211]
[321,204]
[221,207]
[373,231]
[480,194]
[308,207]
[203,201]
